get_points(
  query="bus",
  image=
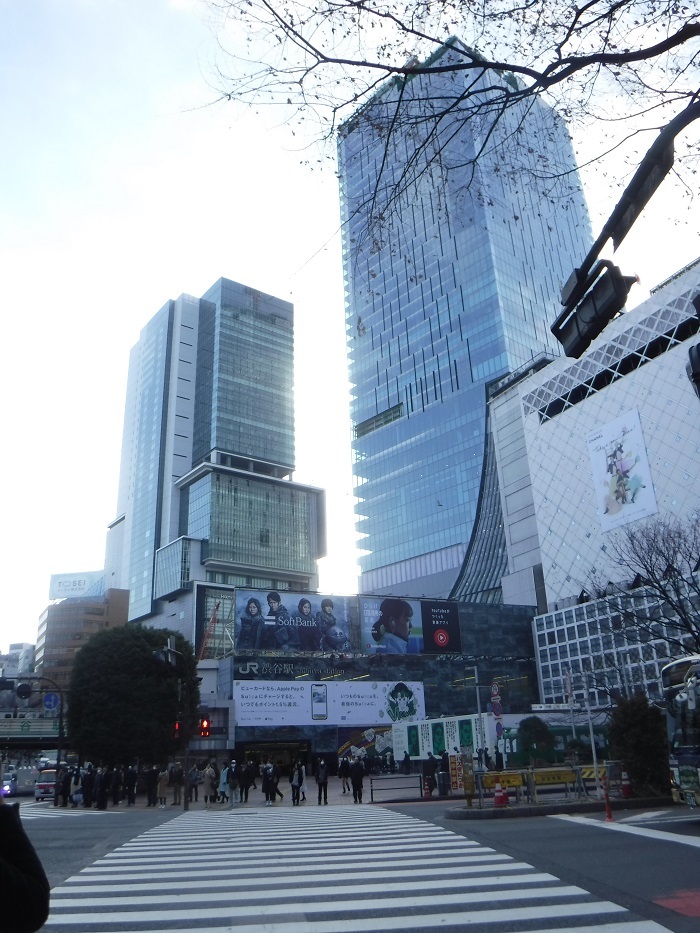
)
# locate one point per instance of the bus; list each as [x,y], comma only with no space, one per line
[680,684]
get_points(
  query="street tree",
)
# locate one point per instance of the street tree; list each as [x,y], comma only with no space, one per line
[637,735]
[622,70]
[535,736]
[125,697]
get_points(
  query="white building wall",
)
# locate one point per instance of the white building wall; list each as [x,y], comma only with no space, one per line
[572,541]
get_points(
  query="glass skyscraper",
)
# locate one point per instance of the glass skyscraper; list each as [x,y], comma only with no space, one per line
[457,238]
[208,450]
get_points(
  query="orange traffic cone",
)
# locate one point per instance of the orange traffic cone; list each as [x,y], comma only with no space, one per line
[626,785]
[500,796]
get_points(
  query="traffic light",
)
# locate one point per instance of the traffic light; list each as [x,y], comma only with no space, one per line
[590,304]
[204,726]
[177,729]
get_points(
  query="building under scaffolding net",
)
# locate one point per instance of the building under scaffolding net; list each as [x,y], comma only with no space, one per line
[220,633]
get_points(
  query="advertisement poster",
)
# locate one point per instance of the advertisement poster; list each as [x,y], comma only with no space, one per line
[367,743]
[438,735]
[306,623]
[621,475]
[409,626]
[279,702]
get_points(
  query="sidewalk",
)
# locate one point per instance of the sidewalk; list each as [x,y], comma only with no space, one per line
[256,798]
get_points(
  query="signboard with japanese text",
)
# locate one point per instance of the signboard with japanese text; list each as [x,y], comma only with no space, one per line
[71,585]
[292,703]
[451,734]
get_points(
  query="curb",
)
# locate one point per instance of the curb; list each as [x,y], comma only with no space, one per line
[552,809]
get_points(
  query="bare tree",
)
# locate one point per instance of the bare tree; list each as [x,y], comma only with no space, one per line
[627,66]
[660,598]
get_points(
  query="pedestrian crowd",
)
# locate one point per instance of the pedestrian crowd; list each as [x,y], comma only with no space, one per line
[226,784]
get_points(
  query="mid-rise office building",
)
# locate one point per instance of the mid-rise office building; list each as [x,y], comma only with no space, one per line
[205,490]
[453,265]
[66,625]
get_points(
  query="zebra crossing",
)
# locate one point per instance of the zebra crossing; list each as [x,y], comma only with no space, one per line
[47,811]
[355,870]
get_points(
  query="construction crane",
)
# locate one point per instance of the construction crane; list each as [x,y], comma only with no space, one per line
[211,625]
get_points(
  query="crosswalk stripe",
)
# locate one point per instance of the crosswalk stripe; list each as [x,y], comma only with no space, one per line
[236,878]
[254,873]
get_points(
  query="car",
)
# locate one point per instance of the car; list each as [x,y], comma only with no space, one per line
[45,787]
[9,785]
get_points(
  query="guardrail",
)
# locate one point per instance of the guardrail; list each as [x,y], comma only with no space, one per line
[408,786]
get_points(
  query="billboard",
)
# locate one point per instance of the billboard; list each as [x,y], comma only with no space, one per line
[623,486]
[389,625]
[349,703]
[65,585]
[369,743]
[439,735]
[267,620]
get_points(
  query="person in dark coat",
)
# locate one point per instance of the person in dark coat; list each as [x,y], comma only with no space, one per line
[130,785]
[250,634]
[270,777]
[24,887]
[152,786]
[322,781]
[357,773]
[88,787]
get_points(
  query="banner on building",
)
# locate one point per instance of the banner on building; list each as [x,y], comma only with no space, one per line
[268,620]
[438,735]
[621,474]
[370,744]
[67,585]
[409,626]
[291,703]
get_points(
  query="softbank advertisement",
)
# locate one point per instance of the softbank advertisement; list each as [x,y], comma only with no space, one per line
[314,623]
[349,703]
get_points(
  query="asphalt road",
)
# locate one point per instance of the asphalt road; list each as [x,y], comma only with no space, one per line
[646,861]
[629,861]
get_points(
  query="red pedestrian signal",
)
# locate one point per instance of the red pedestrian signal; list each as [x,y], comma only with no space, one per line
[177,730]
[204,726]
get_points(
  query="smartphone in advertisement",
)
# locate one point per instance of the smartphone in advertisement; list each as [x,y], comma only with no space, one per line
[319,701]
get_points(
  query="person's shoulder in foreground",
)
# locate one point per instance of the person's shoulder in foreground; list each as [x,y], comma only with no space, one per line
[24,887]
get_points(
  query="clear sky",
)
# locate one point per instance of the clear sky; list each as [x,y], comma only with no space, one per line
[119,189]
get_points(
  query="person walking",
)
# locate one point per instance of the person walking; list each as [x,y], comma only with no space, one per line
[278,772]
[269,783]
[194,779]
[177,779]
[152,786]
[357,773]
[130,778]
[209,785]
[297,779]
[233,780]
[245,780]
[303,783]
[162,786]
[344,773]
[223,784]
[322,781]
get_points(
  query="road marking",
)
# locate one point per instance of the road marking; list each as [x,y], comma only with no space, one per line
[370,872]
[634,830]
